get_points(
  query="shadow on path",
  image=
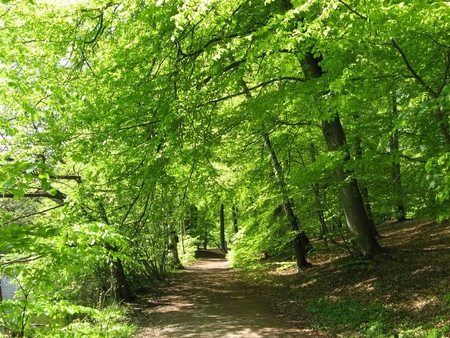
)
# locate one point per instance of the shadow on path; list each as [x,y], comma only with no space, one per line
[207,300]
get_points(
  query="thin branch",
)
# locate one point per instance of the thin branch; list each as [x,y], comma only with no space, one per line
[412,71]
[59,197]
[133,203]
[20,260]
[244,92]
[353,10]
[68,177]
[299,123]
[447,69]
[140,125]
[33,214]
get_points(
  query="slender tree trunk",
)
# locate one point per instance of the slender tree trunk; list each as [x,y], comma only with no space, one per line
[320,214]
[223,243]
[120,284]
[300,250]
[173,247]
[396,170]
[363,189]
[235,218]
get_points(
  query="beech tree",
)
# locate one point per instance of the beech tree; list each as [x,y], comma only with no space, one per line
[117,118]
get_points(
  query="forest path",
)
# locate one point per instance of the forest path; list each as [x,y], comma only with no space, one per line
[208,300]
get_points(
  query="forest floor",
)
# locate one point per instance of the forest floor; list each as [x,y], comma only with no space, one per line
[405,293]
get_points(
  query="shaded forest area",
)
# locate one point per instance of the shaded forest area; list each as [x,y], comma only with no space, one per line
[403,296]
[134,133]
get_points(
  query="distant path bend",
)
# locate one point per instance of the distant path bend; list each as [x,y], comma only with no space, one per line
[207,300]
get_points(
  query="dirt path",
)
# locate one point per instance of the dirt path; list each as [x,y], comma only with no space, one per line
[207,300]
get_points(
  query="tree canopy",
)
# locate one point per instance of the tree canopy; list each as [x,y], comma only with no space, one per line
[125,125]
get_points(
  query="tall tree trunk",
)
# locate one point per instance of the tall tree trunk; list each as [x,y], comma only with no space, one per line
[319,209]
[119,281]
[349,194]
[363,189]
[235,218]
[300,250]
[173,248]
[223,243]
[396,170]
[299,247]
[364,239]
[122,290]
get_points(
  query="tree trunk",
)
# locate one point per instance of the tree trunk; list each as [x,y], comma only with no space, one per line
[235,218]
[364,239]
[122,290]
[119,281]
[349,193]
[173,248]
[320,214]
[396,170]
[363,189]
[300,250]
[223,243]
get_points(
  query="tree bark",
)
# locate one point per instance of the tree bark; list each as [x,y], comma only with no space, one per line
[396,170]
[173,248]
[363,189]
[350,196]
[300,250]
[122,290]
[364,239]
[223,243]
[235,218]
[319,209]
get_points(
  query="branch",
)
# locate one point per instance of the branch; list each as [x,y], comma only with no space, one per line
[33,214]
[140,125]
[447,69]
[59,197]
[227,68]
[245,92]
[299,123]
[353,11]
[68,177]
[413,72]
[20,260]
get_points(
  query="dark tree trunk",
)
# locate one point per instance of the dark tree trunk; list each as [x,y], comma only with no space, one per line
[223,243]
[359,225]
[363,189]
[235,218]
[173,248]
[396,170]
[119,281]
[323,230]
[122,290]
[350,196]
[300,250]
[349,193]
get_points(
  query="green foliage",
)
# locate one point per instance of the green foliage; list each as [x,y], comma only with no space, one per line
[127,115]
[340,315]
[187,248]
